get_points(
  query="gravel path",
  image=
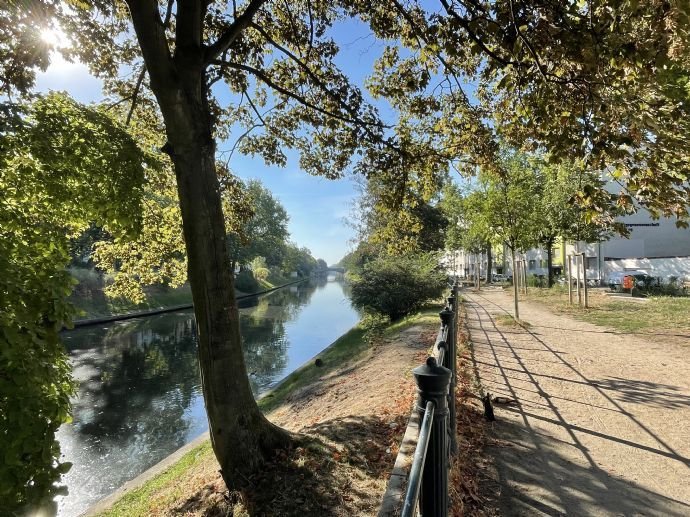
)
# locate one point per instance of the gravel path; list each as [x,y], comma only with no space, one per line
[601,422]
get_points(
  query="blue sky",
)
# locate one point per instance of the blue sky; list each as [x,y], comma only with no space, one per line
[317,207]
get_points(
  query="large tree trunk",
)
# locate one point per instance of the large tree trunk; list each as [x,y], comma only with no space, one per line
[241,436]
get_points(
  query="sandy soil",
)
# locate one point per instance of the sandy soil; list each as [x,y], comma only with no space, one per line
[600,423]
[350,424]
[373,386]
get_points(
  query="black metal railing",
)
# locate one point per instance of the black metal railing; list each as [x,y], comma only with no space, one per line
[427,487]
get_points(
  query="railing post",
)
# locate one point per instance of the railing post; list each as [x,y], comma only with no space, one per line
[432,385]
[448,320]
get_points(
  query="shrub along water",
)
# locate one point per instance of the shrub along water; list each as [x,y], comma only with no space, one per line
[397,285]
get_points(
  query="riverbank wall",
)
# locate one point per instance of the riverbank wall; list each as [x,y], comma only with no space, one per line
[163,310]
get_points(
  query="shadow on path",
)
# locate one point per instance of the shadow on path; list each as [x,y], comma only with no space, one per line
[553,453]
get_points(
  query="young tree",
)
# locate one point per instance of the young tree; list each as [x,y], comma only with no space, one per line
[469,227]
[506,205]
[564,190]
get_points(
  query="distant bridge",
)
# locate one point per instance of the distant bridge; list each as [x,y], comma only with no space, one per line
[336,269]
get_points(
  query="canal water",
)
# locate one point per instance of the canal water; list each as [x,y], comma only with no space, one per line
[139,390]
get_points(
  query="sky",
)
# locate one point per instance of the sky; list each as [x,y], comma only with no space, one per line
[318,208]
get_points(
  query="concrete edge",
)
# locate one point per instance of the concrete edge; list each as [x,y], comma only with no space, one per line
[162,310]
[392,500]
[109,501]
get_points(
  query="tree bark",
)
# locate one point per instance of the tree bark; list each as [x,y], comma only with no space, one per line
[488,263]
[549,263]
[515,286]
[241,436]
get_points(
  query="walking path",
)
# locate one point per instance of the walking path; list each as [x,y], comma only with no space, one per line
[601,423]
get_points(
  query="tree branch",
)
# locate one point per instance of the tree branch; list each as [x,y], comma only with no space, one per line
[151,36]
[239,140]
[315,78]
[168,14]
[189,25]
[226,39]
[263,77]
[135,95]
[465,25]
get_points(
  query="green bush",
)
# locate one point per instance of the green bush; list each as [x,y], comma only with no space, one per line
[397,286]
[245,282]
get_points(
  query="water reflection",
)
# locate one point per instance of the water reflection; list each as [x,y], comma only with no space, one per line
[140,399]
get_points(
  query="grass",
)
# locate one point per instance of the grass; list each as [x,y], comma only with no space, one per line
[657,314]
[347,348]
[172,485]
[161,490]
[96,304]
[91,302]
[508,320]
[662,313]
[274,280]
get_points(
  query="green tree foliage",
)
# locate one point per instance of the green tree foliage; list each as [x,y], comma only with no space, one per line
[22,49]
[157,254]
[414,224]
[264,233]
[298,260]
[602,82]
[565,189]
[62,166]
[321,267]
[398,285]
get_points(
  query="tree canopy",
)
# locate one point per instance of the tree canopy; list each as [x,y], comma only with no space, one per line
[53,183]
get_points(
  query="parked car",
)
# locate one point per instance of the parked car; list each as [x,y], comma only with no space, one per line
[498,277]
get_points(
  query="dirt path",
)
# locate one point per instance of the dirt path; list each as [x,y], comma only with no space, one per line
[601,425]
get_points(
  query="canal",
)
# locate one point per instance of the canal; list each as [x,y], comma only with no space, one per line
[139,391]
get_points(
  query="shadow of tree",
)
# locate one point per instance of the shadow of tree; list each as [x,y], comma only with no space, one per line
[534,477]
[645,392]
[550,470]
[338,467]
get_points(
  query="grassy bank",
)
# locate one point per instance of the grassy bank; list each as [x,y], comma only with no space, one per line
[91,302]
[656,314]
[174,487]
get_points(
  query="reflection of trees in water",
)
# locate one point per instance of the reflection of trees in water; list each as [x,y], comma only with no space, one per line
[142,374]
[144,377]
[263,330]
[265,349]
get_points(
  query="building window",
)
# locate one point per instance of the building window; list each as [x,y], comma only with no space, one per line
[542,264]
[591,262]
[532,265]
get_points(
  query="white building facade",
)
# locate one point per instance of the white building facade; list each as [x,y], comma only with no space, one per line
[656,247]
